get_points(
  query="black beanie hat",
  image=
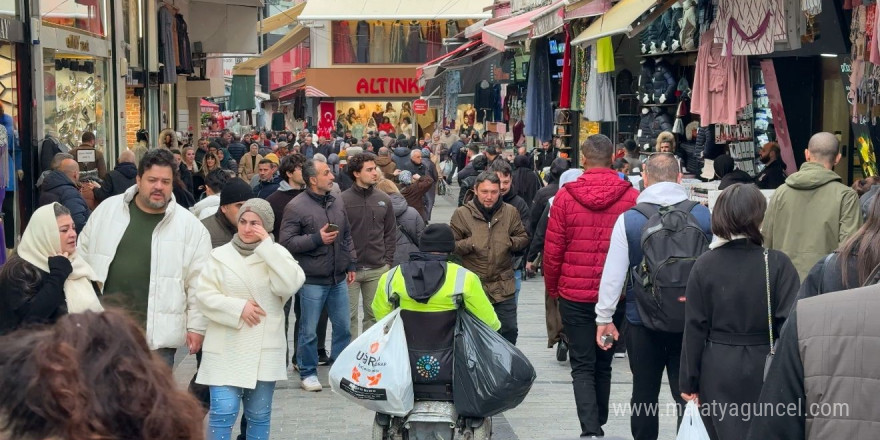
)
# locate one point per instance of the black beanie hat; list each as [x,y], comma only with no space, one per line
[236,190]
[437,237]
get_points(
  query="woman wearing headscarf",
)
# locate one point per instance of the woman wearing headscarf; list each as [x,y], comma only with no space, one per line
[551,306]
[526,182]
[242,291]
[46,279]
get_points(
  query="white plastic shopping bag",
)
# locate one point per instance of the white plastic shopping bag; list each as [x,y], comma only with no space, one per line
[691,424]
[374,371]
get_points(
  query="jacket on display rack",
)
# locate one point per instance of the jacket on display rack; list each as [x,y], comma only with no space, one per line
[539,107]
[184,49]
[664,83]
[363,42]
[646,82]
[167,46]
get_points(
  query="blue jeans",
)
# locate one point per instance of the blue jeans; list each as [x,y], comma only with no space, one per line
[517,278]
[313,299]
[225,402]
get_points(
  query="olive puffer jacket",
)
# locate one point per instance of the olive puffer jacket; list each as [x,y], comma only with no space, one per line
[487,248]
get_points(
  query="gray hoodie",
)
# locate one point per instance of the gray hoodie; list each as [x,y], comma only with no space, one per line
[410,226]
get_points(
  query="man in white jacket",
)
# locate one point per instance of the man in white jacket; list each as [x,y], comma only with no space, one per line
[161,249]
[649,351]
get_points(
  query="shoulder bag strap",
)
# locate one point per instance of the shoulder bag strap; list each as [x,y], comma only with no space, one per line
[393,298]
[769,301]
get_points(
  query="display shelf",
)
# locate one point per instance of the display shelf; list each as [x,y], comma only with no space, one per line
[666,54]
[659,105]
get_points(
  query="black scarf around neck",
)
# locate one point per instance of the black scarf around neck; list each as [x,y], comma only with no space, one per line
[489,212]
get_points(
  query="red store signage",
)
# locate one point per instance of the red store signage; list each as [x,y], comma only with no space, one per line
[384,86]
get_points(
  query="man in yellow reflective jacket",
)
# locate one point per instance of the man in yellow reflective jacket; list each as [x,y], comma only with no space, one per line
[428,283]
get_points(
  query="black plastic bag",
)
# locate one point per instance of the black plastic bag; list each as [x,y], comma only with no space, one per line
[490,375]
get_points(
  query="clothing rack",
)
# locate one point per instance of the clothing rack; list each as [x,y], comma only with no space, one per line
[170,6]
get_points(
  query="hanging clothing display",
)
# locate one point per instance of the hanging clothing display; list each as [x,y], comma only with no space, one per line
[413,43]
[278,121]
[167,45]
[343,53]
[433,41]
[184,49]
[453,88]
[487,101]
[565,89]
[363,42]
[749,27]
[580,70]
[398,42]
[604,55]
[539,105]
[721,83]
[451,28]
[705,14]
[379,50]
[601,104]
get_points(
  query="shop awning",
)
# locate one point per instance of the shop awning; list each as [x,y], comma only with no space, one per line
[208,107]
[514,28]
[553,18]
[224,28]
[432,68]
[296,36]
[623,18]
[396,9]
[281,19]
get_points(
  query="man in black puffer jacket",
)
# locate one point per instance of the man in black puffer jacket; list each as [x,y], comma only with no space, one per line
[59,186]
[119,179]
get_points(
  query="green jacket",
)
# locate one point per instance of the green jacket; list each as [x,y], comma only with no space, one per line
[810,216]
[437,296]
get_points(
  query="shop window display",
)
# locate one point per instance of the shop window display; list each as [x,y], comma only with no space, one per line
[85,15]
[76,99]
[361,117]
[391,41]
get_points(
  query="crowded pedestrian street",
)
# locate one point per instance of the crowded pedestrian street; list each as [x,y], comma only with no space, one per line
[547,413]
[439,219]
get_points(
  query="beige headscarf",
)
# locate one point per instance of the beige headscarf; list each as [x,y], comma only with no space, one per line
[41,241]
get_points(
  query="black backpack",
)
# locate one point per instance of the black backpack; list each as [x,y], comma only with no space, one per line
[671,241]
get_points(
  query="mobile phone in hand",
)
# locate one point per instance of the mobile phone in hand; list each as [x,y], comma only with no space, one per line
[332,228]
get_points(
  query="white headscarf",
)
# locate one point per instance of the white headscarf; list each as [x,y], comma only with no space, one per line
[40,241]
[567,177]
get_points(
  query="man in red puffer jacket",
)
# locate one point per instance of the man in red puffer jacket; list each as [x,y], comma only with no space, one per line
[578,236]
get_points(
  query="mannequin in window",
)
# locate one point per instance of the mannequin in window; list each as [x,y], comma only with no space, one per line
[406,126]
[391,114]
[378,114]
[405,111]
[470,115]
[363,113]
[386,125]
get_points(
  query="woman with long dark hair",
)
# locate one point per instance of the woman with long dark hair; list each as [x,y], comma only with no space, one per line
[727,333]
[855,263]
[526,181]
[91,376]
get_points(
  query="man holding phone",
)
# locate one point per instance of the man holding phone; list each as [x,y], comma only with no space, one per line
[316,231]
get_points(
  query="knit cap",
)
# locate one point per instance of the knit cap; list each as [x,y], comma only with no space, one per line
[437,237]
[405,177]
[261,208]
[235,190]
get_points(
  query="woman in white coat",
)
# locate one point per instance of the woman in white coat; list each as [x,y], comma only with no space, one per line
[242,292]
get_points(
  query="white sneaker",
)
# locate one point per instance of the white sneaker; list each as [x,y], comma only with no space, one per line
[620,355]
[311,383]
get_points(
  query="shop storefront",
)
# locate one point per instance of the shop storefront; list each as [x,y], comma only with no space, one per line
[78,84]
[15,131]
[364,100]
